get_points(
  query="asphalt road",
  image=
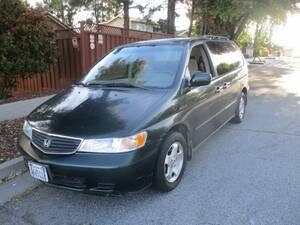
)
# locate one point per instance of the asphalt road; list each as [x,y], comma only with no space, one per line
[244,174]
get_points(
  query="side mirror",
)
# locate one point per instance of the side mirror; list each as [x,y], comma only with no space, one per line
[200,79]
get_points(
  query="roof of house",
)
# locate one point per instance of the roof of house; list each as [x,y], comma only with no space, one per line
[120,16]
[55,20]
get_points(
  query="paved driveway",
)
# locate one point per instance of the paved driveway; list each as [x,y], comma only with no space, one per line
[19,109]
[245,174]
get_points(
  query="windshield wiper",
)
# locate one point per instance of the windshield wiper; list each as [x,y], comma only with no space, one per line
[117,84]
[80,84]
[112,84]
[93,84]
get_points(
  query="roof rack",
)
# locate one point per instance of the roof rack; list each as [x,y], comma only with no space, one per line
[214,37]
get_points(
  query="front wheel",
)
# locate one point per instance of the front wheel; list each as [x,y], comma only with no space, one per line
[240,109]
[171,162]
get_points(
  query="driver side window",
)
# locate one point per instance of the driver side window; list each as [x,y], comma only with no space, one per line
[197,62]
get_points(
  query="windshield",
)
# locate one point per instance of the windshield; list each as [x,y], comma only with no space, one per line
[144,66]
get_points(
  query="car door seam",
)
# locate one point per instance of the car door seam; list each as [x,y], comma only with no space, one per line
[218,113]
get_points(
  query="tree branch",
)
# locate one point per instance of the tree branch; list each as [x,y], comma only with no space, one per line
[241,27]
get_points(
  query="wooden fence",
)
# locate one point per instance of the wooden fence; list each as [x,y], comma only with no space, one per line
[78,50]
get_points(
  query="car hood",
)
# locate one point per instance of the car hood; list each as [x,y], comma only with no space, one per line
[92,112]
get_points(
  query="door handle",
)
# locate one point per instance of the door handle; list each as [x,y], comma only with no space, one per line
[226,85]
[218,90]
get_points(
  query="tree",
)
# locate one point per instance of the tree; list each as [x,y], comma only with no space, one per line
[148,11]
[55,7]
[26,43]
[163,26]
[118,4]
[126,4]
[245,40]
[65,10]
[192,12]
[103,10]
[230,17]
[171,17]
[260,39]
[71,7]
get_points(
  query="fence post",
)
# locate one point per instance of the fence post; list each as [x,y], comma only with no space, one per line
[83,48]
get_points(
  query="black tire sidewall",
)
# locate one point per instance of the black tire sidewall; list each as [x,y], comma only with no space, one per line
[160,181]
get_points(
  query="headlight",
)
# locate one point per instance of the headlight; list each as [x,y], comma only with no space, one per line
[27,129]
[114,145]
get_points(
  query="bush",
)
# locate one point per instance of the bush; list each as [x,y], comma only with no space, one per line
[264,52]
[26,43]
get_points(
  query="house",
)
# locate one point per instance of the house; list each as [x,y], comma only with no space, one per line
[134,24]
[56,23]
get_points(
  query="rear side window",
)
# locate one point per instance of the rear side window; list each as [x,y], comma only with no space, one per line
[226,56]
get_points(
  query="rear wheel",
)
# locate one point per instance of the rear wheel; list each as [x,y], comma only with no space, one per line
[171,162]
[240,110]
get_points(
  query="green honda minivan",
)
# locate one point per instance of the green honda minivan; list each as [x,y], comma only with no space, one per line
[137,116]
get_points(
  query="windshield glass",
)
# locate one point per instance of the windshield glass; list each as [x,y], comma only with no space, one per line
[144,66]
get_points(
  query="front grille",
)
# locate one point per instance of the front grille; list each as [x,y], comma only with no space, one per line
[57,144]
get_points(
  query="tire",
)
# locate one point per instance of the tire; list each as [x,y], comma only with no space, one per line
[240,109]
[173,153]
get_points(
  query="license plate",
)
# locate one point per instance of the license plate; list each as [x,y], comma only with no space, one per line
[38,171]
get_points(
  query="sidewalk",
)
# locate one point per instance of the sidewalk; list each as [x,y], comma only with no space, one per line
[268,62]
[19,109]
[20,183]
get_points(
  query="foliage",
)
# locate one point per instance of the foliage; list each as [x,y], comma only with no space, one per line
[163,26]
[26,43]
[264,52]
[260,42]
[148,11]
[230,17]
[103,10]
[52,6]
[245,39]
[63,9]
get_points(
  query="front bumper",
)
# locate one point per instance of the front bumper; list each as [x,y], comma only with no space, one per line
[96,173]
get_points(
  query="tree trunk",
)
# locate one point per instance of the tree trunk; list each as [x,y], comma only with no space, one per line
[192,17]
[240,28]
[96,11]
[126,14]
[204,27]
[171,17]
[257,33]
[271,31]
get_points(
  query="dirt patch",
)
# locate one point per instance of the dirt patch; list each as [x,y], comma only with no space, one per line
[9,132]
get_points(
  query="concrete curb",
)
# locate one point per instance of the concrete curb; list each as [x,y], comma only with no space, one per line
[12,168]
[16,187]
[18,182]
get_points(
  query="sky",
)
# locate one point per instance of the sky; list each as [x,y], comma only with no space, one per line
[286,35]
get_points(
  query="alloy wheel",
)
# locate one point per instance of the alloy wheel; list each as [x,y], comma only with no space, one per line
[173,162]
